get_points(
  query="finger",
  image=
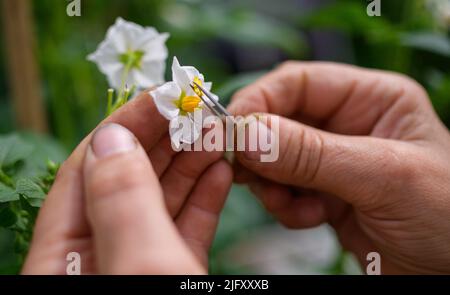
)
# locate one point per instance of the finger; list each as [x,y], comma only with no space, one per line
[350,167]
[142,118]
[243,175]
[328,93]
[132,231]
[198,219]
[182,175]
[162,155]
[62,215]
[292,210]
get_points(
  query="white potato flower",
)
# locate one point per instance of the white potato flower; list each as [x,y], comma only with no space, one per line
[132,55]
[441,11]
[181,105]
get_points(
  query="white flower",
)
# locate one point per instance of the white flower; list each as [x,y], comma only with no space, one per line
[180,104]
[441,11]
[132,55]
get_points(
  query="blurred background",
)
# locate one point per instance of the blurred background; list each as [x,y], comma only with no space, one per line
[51,96]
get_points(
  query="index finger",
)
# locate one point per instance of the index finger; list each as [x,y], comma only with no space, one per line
[319,90]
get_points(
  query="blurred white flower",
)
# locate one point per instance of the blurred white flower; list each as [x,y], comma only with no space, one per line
[132,55]
[181,105]
[441,11]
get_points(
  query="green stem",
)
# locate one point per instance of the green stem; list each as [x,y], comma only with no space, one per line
[110,102]
[125,73]
[5,179]
[123,91]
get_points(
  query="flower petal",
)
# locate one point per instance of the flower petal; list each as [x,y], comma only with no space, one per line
[193,134]
[207,85]
[115,78]
[183,76]
[123,37]
[154,46]
[183,130]
[106,59]
[175,133]
[150,74]
[164,97]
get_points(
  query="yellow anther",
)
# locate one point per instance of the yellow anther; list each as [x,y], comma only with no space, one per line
[196,89]
[190,103]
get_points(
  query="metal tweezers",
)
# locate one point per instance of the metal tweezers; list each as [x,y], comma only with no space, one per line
[214,106]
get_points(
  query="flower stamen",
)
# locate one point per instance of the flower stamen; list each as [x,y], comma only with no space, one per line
[190,103]
[197,90]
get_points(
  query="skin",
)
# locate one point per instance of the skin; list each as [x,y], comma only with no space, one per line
[140,210]
[360,149]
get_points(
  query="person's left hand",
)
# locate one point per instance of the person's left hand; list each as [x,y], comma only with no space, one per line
[129,204]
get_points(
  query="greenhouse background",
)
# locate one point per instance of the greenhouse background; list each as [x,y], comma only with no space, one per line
[51,96]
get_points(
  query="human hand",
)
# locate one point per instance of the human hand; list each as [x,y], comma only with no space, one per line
[360,149]
[129,204]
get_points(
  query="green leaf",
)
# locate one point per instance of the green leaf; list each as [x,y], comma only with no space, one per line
[44,148]
[351,17]
[30,191]
[7,194]
[253,28]
[239,26]
[13,149]
[439,88]
[428,41]
[7,217]
[226,90]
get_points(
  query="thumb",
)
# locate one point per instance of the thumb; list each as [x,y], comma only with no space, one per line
[351,167]
[131,228]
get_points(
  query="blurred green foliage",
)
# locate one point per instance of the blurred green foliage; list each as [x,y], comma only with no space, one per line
[233,42]
[26,175]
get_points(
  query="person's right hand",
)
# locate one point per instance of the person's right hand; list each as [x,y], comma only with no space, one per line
[375,164]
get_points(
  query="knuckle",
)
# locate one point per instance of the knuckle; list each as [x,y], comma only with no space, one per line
[307,153]
[409,82]
[412,89]
[292,158]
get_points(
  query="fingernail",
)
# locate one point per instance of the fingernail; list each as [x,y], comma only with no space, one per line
[255,131]
[112,139]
